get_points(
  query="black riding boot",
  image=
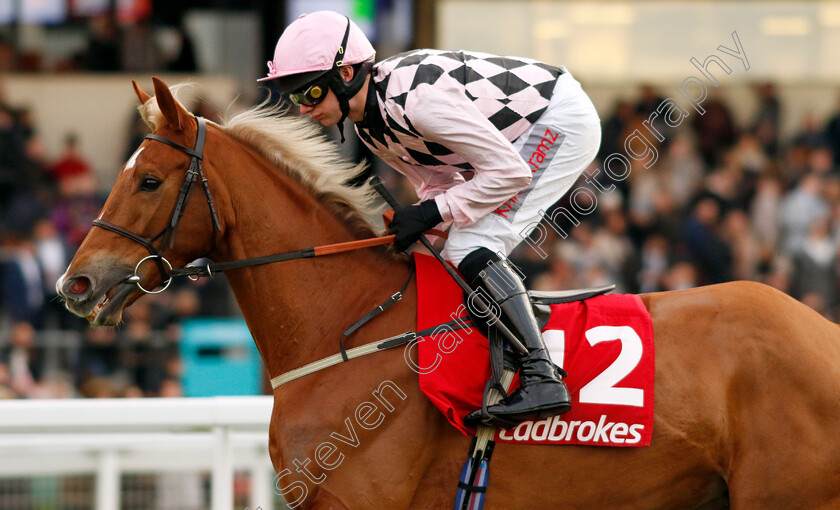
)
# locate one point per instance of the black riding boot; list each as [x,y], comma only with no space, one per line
[541,393]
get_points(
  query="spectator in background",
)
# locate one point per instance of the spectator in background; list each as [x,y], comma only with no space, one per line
[53,258]
[182,303]
[24,362]
[723,182]
[184,60]
[560,275]
[21,281]
[580,250]
[715,129]
[24,187]
[15,179]
[614,130]
[99,355]
[34,146]
[140,51]
[796,163]
[652,264]
[832,132]
[649,100]
[145,353]
[6,392]
[821,161]
[644,186]
[680,276]
[799,209]
[667,217]
[748,154]
[747,251]
[612,242]
[103,50]
[764,209]
[704,244]
[810,133]
[8,55]
[78,205]
[815,267]
[71,163]
[682,169]
[767,118]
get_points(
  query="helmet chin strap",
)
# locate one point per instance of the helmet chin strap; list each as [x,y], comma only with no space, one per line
[340,90]
[345,91]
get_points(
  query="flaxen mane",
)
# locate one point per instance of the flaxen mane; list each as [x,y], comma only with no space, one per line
[298,147]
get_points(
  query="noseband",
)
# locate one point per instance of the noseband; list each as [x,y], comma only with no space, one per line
[194,172]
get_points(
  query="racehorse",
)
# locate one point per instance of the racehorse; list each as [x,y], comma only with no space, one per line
[747,379]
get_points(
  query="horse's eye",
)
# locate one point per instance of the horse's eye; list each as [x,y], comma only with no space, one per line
[149,184]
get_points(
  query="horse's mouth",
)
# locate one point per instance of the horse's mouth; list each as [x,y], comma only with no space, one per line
[107,311]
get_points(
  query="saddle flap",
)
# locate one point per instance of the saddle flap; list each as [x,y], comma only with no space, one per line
[555,297]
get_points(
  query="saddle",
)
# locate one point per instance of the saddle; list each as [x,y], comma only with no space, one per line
[541,301]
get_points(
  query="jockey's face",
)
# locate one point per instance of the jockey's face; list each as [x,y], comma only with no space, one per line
[327,112]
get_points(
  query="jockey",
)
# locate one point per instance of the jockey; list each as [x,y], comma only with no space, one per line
[526,131]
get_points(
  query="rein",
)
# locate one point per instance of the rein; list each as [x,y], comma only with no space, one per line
[210,269]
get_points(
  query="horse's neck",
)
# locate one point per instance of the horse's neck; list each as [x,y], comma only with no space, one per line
[298,309]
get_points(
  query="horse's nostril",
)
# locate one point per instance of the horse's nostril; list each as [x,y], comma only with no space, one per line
[79,285]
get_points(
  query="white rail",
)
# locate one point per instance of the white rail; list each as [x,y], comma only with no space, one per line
[107,437]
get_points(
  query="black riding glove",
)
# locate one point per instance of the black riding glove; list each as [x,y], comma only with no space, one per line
[410,222]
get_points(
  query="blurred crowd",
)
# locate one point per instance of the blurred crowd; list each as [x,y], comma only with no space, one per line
[110,45]
[46,209]
[723,202]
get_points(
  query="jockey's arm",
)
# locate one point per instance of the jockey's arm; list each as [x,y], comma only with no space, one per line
[426,184]
[448,117]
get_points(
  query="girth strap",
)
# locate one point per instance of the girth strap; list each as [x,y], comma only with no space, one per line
[356,352]
[376,311]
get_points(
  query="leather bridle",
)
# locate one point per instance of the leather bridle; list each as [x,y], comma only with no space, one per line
[167,235]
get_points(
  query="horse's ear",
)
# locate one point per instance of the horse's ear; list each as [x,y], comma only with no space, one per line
[174,113]
[142,96]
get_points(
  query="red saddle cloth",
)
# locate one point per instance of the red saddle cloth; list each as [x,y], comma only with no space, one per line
[605,344]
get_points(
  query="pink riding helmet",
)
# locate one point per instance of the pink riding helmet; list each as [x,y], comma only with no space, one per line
[309,44]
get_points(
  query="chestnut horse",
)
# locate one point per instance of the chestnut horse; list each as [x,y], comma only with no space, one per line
[747,379]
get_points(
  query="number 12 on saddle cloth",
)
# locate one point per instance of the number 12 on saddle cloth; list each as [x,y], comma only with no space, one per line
[605,344]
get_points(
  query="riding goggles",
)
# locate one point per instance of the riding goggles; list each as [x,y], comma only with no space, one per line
[313,95]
